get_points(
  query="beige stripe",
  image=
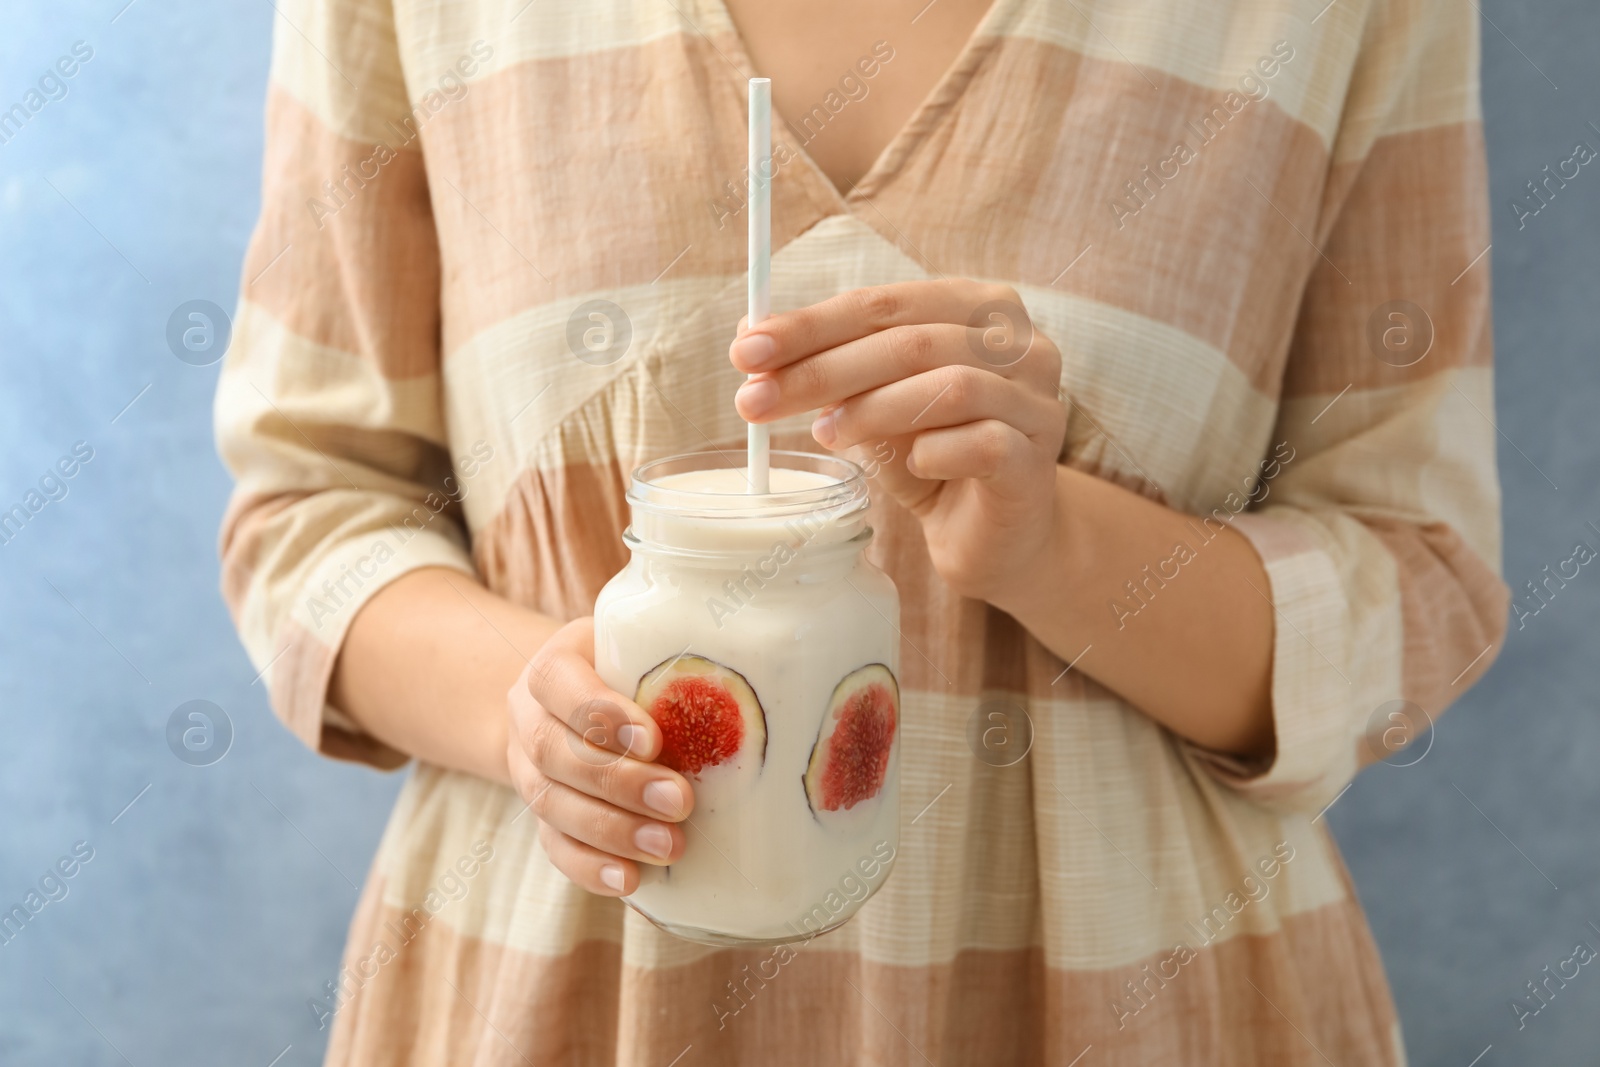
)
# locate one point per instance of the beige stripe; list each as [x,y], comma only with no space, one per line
[557,540]
[983,166]
[1314,993]
[442,997]
[294,615]
[626,182]
[1175,40]
[564,204]
[355,268]
[476,215]
[1454,608]
[1413,221]
[301,666]
[245,537]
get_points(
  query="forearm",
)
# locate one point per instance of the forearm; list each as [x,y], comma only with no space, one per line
[1190,645]
[427,664]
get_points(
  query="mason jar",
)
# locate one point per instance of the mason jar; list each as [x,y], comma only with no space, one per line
[755,632]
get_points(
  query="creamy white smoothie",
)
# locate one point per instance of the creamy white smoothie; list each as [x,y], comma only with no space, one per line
[767,647]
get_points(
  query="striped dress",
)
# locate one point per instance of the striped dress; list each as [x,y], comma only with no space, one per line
[1257,233]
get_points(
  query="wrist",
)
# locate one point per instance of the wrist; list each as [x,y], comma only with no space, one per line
[1047,580]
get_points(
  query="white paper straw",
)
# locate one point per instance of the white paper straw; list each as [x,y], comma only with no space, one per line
[758,445]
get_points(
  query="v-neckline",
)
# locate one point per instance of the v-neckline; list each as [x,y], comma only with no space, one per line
[946,92]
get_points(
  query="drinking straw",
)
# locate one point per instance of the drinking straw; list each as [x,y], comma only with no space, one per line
[758,444]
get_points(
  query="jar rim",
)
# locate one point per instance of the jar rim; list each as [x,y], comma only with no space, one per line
[692,523]
[845,495]
[819,552]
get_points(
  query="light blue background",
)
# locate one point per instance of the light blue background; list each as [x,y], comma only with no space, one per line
[217,903]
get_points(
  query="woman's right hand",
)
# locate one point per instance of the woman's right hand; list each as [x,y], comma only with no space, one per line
[579,755]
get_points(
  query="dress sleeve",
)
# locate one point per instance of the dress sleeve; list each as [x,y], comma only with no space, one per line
[328,410]
[1380,531]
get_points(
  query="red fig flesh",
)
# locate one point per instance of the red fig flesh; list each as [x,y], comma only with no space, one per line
[708,714]
[851,757]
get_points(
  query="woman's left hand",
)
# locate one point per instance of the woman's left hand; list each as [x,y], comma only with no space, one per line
[953,395]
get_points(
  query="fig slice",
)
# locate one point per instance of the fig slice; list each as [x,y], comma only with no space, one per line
[851,757]
[708,714]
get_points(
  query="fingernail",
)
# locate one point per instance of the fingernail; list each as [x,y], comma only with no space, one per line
[611,877]
[826,428]
[634,738]
[757,398]
[754,351]
[664,797]
[654,839]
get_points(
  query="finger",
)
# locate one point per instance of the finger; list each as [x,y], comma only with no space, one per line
[889,356]
[950,396]
[789,336]
[562,681]
[588,867]
[644,788]
[608,827]
[525,778]
[986,450]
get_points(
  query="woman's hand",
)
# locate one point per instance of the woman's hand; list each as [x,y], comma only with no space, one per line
[951,390]
[579,756]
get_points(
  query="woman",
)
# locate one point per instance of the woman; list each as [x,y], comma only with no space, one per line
[1232,495]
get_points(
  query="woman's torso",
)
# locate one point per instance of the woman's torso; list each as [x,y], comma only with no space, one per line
[593,165]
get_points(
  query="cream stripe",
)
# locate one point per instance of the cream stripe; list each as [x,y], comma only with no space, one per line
[1337,652]
[1158,392]
[1422,452]
[307,436]
[1439,63]
[530,906]
[1111,827]
[520,900]
[516,382]
[436,31]
[346,574]
[1182,40]
[1460,482]
[673,404]
[288,583]
[1443,87]
[340,61]
[315,54]
[329,384]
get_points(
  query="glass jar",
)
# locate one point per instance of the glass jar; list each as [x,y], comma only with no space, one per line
[756,633]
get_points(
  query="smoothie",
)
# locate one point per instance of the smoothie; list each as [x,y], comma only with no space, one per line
[766,646]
